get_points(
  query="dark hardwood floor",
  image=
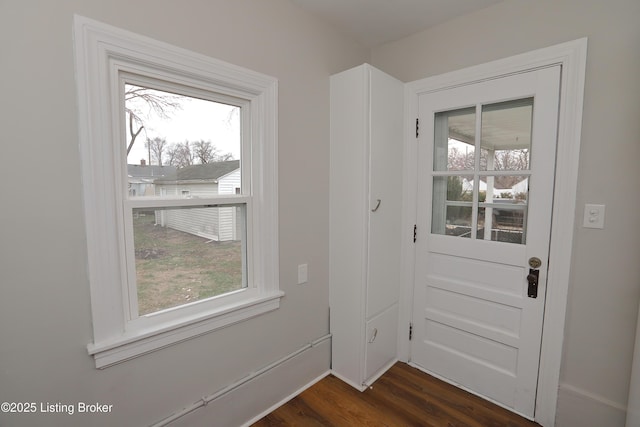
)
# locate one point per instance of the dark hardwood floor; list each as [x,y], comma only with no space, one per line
[404,396]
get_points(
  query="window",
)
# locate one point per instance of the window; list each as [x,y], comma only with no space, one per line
[181,227]
[483,196]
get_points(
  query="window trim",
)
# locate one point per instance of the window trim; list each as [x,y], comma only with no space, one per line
[102,53]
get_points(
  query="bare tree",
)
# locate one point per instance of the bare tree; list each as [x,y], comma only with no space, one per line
[503,160]
[156,147]
[183,154]
[139,101]
[510,160]
[459,160]
[172,154]
[204,151]
[232,116]
[224,157]
[180,154]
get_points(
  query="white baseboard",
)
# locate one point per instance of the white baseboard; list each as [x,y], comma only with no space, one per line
[581,408]
[346,380]
[253,399]
[286,399]
[381,372]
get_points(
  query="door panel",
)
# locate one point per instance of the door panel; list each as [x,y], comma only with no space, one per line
[382,334]
[481,377]
[485,184]
[385,196]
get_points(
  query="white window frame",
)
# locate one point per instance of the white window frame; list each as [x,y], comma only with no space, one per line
[103,55]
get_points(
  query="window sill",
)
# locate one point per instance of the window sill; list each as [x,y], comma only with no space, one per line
[134,344]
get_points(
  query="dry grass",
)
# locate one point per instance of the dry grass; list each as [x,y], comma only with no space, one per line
[175,268]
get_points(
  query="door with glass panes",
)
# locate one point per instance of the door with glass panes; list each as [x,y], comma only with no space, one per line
[486,162]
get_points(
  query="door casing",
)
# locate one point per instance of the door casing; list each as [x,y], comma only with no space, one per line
[571,56]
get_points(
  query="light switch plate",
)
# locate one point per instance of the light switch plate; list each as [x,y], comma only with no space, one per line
[303,274]
[593,216]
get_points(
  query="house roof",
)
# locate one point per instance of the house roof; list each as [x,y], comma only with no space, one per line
[151,171]
[206,172]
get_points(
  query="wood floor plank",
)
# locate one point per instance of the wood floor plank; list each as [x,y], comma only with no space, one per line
[403,396]
[341,404]
[451,402]
[439,395]
[419,405]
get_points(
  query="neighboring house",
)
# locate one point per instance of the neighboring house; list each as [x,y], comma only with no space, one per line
[467,185]
[507,217]
[220,224]
[520,187]
[140,177]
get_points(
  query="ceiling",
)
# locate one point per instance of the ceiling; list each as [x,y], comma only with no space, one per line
[504,126]
[375,22]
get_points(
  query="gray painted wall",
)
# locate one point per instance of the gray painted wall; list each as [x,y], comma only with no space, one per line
[605,284]
[44,300]
[45,321]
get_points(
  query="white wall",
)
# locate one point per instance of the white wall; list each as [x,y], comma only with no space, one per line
[45,321]
[604,288]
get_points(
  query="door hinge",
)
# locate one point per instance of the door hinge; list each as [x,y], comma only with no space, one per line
[415,232]
[410,331]
[417,128]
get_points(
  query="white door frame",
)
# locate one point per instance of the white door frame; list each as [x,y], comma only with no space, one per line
[571,56]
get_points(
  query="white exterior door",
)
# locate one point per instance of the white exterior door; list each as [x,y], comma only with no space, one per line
[486,161]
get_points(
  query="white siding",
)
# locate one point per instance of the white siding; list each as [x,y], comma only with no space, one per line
[228,225]
[228,183]
[219,224]
[199,190]
[201,222]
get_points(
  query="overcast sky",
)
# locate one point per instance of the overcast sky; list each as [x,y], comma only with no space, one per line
[197,119]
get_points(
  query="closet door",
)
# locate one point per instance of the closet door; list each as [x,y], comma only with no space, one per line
[385,191]
[382,337]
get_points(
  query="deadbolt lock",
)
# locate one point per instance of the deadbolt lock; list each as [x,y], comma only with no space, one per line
[532,278]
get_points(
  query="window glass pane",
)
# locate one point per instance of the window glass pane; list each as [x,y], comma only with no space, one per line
[506,213]
[506,135]
[454,147]
[177,138]
[452,205]
[458,221]
[183,255]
